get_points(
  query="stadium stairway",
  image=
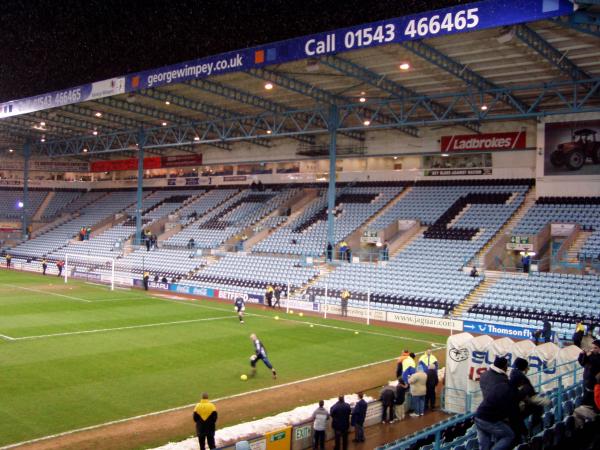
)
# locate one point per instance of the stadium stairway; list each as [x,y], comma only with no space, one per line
[404,241]
[300,294]
[387,207]
[491,278]
[573,252]
[505,230]
[40,211]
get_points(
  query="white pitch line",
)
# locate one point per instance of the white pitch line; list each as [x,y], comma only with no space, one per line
[79,299]
[131,327]
[177,408]
[8,338]
[285,319]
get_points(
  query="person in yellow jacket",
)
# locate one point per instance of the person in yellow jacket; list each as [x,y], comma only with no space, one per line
[146,279]
[344,303]
[269,295]
[427,359]
[402,357]
[205,416]
[578,335]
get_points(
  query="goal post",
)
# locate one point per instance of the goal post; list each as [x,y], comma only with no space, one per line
[96,268]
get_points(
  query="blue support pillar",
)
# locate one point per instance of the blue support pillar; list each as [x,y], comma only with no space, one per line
[333,126]
[25,208]
[140,187]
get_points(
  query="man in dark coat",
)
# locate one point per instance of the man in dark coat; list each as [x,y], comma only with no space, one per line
[432,382]
[205,416]
[590,361]
[359,413]
[530,404]
[498,408]
[340,422]
[388,398]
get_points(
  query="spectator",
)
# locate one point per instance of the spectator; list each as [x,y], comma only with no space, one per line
[427,359]
[349,254]
[320,417]
[154,242]
[474,272]
[418,389]
[44,266]
[340,422]
[401,389]
[164,279]
[578,335]
[359,413]
[191,244]
[547,331]
[589,407]
[205,416]
[526,261]
[344,297]
[499,405]
[589,338]
[402,357]
[388,398]
[329,252]
[530,404]
[432,382]
[156,278]
[408,367]
[385,252]
[343,248]
[590,361]
[88,232]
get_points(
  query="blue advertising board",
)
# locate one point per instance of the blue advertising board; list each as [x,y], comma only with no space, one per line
[458,19]
[494,329]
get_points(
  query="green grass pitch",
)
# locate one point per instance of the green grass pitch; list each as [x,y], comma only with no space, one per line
[74,355]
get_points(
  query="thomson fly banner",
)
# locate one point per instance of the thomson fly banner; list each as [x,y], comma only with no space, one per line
[468,357]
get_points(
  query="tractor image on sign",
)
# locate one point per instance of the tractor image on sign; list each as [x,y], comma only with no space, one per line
[573,154]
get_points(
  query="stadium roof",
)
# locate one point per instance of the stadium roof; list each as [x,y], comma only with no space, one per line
[491,60]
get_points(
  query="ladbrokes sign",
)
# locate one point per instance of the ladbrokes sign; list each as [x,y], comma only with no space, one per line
[482,142]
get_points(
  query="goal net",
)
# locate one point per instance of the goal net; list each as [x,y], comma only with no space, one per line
[95,269]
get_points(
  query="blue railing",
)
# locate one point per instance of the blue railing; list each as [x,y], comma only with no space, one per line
[436,431]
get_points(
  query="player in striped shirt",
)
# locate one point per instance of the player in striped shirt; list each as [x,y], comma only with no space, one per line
[260,353]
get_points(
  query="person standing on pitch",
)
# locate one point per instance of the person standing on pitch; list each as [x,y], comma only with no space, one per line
[146,279]
[340,422]
[260,353]
[344,302]
[269,295]
[44,266]
[240,307]
[8,260]
[277,293]
[59,266]
[205,416]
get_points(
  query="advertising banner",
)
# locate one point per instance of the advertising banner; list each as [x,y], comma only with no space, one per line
[44,165]
[116,165]
[514,140]
[78,94]
[457,19]
[425,321]
[457,172]
[181,160]
[572,148]
[498,329]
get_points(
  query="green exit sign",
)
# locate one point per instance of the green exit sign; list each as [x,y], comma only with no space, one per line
[278,436]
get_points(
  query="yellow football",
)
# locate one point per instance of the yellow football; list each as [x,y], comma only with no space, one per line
[244,377]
